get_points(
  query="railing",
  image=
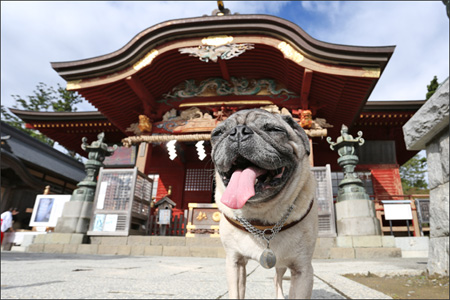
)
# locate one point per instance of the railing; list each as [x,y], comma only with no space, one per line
[177,226]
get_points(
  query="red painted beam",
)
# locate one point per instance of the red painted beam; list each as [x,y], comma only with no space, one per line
[138,87]
[224,69]
[306,87]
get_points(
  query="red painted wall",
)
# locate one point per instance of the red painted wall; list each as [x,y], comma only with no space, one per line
[173,173]
[170,173]
[386,181]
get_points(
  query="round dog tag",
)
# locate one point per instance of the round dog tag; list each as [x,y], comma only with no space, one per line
[268,259]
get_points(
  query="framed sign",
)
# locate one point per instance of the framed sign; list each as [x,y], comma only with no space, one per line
[121,203]
[123,157]
[47,209]
[164,216]
[397,210]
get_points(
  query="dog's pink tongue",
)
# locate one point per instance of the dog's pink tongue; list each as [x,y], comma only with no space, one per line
[241,187]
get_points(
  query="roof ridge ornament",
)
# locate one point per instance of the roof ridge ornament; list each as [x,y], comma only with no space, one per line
[211,52]
[221,11]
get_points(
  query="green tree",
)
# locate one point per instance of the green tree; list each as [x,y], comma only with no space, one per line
[412,174]
[44,98]
[432,87]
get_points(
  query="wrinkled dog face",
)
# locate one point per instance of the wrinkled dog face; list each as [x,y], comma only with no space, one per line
[255,153]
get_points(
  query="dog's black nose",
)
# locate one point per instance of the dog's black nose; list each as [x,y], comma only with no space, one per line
[241,133]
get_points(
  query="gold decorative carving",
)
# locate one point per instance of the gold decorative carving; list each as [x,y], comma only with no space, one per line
[372,72]
[216,216]
[148,58]
[217,40]
[201,216]
[227,103]
[306,119]
[144,124]
[208,53]
[290,52]
[74,84]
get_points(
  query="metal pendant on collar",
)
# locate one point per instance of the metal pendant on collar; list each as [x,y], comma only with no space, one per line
[268,258]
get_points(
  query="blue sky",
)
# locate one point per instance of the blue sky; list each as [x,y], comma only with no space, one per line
[35,33]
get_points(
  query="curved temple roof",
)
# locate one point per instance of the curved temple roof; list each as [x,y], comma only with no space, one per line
[183,63]
[334,81]
[249,25]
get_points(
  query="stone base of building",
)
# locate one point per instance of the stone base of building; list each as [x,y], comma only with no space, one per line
[356,247]
[72,243]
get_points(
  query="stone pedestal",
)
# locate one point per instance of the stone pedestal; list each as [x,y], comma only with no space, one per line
[356,218]
[75,217]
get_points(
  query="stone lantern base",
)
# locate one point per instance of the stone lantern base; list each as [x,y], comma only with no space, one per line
[75,218]
[356,218]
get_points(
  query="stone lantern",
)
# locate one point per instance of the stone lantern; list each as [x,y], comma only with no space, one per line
[77,212]
[355,212]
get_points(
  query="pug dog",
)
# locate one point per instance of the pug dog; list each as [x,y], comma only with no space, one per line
[265,191]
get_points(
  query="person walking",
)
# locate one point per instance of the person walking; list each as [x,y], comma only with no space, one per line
[7,221]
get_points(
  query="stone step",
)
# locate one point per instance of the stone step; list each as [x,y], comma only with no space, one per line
[198,246]
[134,250]
[204,246]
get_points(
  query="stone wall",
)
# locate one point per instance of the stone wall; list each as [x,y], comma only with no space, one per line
[438,176]
[429,129]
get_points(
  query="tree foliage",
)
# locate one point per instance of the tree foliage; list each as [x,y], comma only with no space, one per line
[432,87]
[44,98]
[412,174]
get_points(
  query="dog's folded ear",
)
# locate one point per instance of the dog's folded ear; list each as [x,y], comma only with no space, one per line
[298,130]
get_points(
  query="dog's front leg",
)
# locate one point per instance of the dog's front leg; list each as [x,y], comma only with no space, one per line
[279,282]
[242,278]
[236,277]
[302,280]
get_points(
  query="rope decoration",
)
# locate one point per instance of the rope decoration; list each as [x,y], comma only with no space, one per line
[131,140]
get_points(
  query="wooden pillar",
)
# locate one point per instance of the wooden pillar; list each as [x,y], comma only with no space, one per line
[415,220]
[143,156]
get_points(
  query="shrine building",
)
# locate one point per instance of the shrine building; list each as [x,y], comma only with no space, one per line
[174,82]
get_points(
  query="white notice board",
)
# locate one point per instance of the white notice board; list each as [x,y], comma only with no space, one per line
[164,216]
[399,211]
[47,209]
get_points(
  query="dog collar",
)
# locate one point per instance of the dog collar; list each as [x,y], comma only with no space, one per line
[259,225]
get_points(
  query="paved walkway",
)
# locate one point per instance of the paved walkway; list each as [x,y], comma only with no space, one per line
[63,276]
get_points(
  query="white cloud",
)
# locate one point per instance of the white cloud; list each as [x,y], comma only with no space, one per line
[419,29]
[35,33]
[331,9]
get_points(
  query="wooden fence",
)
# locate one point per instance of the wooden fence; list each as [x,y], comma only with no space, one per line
[176,228]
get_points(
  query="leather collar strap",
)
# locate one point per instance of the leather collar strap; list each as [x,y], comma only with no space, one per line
[259,225]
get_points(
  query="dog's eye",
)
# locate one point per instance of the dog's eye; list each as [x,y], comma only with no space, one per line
[274,129]
[216,133]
